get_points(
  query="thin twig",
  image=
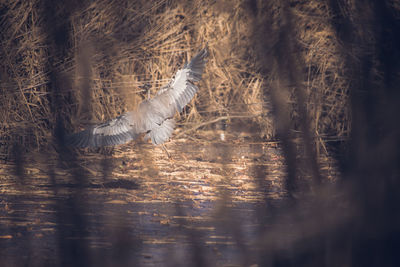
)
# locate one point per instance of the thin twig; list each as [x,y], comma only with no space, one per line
[214,121]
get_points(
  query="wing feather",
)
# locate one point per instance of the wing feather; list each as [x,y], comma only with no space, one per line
[114,132]
[181,88]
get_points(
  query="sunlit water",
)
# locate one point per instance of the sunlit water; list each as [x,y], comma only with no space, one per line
[140,207]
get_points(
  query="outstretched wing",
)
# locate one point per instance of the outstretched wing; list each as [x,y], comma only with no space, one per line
[114,132]
[181,89]
[156,113]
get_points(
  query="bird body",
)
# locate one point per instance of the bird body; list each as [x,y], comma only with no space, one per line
[154,116]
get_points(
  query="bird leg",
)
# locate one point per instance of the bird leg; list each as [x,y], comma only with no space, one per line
[166,151]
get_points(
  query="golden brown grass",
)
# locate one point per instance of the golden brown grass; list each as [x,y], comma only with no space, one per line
[118,47]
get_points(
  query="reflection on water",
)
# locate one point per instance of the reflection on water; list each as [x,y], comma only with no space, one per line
[144,208]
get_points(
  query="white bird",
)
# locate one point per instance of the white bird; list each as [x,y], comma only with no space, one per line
[154,116]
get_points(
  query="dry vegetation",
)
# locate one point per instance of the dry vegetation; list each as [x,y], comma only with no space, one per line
[304,75]
[95,61]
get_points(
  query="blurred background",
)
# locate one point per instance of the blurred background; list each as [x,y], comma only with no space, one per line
[287,156]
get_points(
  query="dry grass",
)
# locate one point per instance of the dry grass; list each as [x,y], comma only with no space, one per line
[116,48]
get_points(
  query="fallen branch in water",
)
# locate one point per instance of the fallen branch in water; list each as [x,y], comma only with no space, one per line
[215,121]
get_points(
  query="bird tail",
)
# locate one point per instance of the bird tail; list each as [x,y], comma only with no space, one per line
[162,132]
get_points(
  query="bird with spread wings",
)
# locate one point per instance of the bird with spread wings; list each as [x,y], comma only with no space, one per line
[153,117]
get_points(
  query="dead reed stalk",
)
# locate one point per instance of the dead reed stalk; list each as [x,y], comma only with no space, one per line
[120,48]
